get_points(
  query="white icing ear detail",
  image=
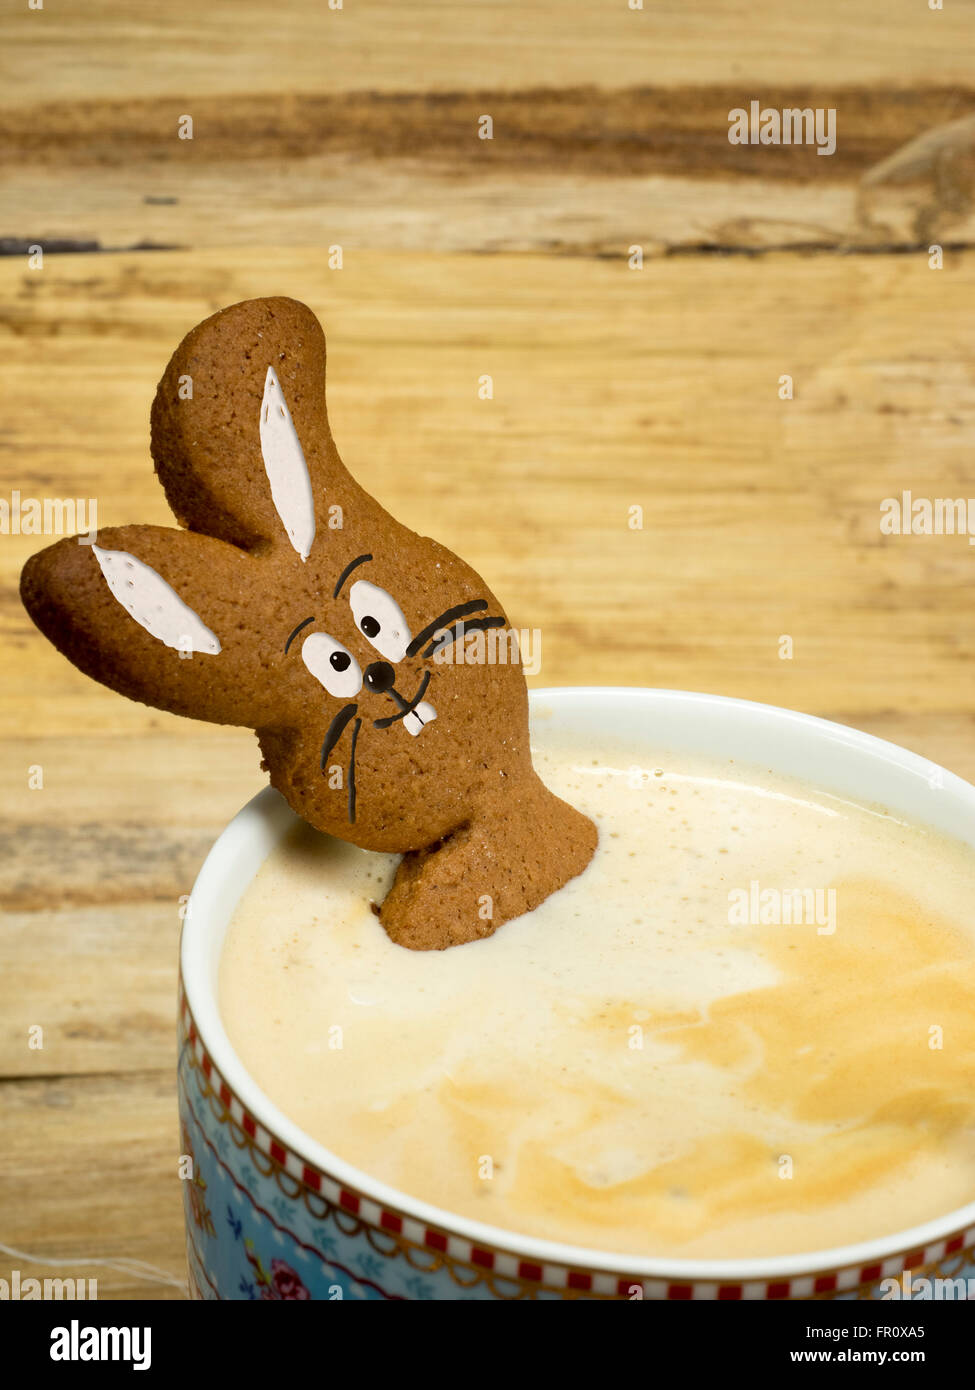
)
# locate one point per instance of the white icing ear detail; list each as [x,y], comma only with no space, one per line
[417,718]
[154,604]
[286,469]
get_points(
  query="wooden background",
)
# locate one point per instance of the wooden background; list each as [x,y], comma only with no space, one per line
[613,388]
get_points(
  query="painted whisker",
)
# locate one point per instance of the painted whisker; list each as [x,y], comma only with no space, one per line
[459,610]
[336,730]
[355,735]
[459,629]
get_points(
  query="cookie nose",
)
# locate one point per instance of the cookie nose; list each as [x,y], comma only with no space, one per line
[380,677]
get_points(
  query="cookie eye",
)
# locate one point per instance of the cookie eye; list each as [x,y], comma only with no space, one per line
[331,665]
[380,619]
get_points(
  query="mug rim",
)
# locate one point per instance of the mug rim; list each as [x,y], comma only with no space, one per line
[266,816]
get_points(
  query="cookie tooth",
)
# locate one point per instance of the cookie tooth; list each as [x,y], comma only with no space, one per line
[417,719]
[287,471]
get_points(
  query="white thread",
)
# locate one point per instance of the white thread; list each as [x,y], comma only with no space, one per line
[121,1266]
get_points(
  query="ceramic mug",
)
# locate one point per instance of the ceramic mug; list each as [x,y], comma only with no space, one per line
[273,1215]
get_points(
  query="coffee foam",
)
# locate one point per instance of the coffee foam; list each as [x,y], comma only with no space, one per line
[626,1067]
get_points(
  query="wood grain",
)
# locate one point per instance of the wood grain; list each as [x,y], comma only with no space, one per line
[613,388]
[572,170]
[112,48]
[90,1175]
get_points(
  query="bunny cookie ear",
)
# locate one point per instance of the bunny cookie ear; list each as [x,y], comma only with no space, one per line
[240,432]
[286,468]
[155,614]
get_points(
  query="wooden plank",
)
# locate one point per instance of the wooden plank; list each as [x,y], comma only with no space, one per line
[635,131]
[99,984]
[613,388]
[187,49]
[573,170]
[90,1175]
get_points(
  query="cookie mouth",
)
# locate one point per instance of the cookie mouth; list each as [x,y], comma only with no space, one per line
[416,714]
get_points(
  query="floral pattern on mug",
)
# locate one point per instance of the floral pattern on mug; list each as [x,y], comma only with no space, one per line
[282,1284]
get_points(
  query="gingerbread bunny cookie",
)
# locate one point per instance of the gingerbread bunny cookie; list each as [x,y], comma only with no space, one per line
[295,605]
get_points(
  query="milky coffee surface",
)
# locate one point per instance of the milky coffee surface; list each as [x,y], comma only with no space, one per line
[674,1054]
